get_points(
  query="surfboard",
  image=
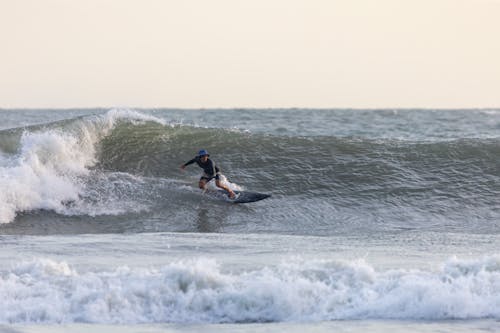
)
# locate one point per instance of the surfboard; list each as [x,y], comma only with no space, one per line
[241,196]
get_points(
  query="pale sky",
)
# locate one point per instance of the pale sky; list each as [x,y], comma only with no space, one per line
[254,53]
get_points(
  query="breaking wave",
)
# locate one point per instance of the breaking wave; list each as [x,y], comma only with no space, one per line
[49,165]
[201,291]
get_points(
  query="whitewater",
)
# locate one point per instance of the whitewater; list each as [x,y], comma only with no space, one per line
[379,220]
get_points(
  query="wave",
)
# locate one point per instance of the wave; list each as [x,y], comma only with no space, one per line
[99,164]
[155,150]
[201,291]
[432,176]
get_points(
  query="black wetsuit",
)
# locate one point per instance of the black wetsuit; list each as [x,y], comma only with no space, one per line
[211,171]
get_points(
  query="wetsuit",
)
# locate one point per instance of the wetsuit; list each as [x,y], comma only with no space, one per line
[211,171]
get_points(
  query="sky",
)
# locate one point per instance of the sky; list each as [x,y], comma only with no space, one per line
[254,53]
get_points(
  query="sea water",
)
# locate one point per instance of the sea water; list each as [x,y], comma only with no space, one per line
[379,220]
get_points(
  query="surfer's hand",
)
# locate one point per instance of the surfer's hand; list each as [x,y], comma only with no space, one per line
[183,167]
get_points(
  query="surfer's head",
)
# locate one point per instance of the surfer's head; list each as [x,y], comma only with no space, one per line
[202,153]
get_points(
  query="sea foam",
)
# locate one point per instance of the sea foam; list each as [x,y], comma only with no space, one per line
[201,291]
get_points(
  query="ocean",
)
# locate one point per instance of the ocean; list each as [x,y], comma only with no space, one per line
[379,220]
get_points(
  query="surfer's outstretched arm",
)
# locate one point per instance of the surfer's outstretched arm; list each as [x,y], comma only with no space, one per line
[183,166]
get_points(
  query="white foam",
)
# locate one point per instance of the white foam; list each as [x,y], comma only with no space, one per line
[51,163]
[225,181]
[200,291]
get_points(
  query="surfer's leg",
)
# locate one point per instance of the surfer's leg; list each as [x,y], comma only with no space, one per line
[204,179]
[203,183]
[224,187]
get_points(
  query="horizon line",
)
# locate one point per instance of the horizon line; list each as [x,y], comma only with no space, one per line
[245,108]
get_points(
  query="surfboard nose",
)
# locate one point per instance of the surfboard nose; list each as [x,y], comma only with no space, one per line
[261,196]
[250,197]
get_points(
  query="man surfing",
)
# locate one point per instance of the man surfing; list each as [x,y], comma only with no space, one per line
[211,171]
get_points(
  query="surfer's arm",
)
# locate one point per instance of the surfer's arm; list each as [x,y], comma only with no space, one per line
[188,163]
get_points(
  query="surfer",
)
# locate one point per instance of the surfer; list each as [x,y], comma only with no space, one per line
[211,171]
